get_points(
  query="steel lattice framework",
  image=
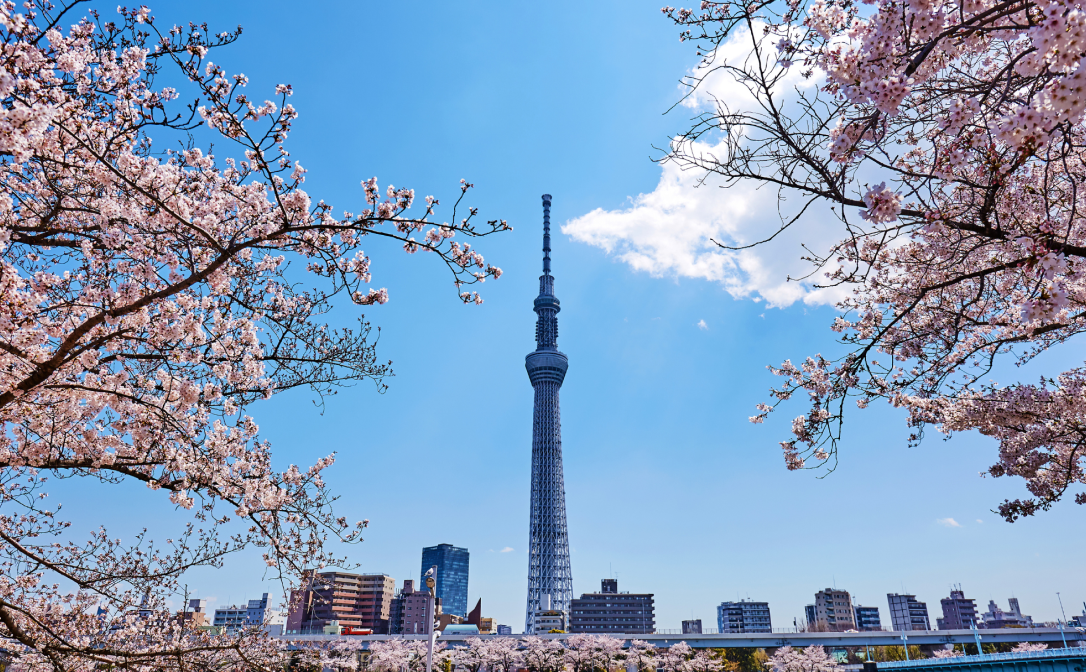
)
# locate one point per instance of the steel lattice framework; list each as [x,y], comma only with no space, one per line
[548,554]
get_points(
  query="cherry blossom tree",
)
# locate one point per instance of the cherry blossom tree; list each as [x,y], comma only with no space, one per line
[593,652]
[342,655]
[676,658]
[580,654]
[947,137]
[809,659]
[948,653]
[472,657]
[146,303]
[542,654]
[641,655]
[390,655]
[1026,647]
[609,653]
[504,655]
[705,661]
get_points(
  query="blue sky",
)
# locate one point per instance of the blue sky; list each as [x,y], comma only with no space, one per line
[669,488]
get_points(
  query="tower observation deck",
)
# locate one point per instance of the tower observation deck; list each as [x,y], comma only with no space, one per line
[548,552]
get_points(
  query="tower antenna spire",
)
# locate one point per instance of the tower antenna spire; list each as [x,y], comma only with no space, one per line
[546,234]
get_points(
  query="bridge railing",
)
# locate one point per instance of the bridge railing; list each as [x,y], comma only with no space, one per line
[717,631]
[987,658]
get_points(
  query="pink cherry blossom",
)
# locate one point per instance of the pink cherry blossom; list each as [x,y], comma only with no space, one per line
[947,136]
[145,305]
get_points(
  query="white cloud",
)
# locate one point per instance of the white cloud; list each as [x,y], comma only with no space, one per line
[948,522]
[668,232]
[980,521]
[507,549]
[702,325]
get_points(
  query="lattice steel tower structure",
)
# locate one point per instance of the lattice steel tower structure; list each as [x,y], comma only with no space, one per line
[548,552]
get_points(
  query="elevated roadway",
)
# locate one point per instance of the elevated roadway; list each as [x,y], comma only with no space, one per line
[1050,636]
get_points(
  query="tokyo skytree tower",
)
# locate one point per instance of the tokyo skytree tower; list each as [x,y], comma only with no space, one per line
[549,577]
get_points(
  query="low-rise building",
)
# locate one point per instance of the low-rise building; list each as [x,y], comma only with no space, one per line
[997,618]
[549,620]
[692,627]
[832,611]
[612,612]
[505,629]
[260,613]
[906,613]
[195,615]
[230,619]
[356,601]
[413,615]
[959,612]
[743,616]
[867,618]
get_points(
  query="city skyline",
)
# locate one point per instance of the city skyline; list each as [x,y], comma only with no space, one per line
[743,615]
[668,368]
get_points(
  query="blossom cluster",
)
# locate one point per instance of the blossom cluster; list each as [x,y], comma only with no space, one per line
[968,117]
[145,306]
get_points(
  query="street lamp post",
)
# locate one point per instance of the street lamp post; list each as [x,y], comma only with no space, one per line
[430,603]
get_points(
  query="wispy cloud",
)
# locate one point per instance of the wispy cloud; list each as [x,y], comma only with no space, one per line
[507,549]
[980,521]
[948,522]
[669,232]
[702,325]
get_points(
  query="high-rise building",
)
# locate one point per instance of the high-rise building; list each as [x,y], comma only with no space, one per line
[451,576]
[959,613]
[692,627]
[612,612]
[361,601]
[997,618]
[811,616]
[867,618]
[832,611]
[548,540]
[906,613]
[743,616]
